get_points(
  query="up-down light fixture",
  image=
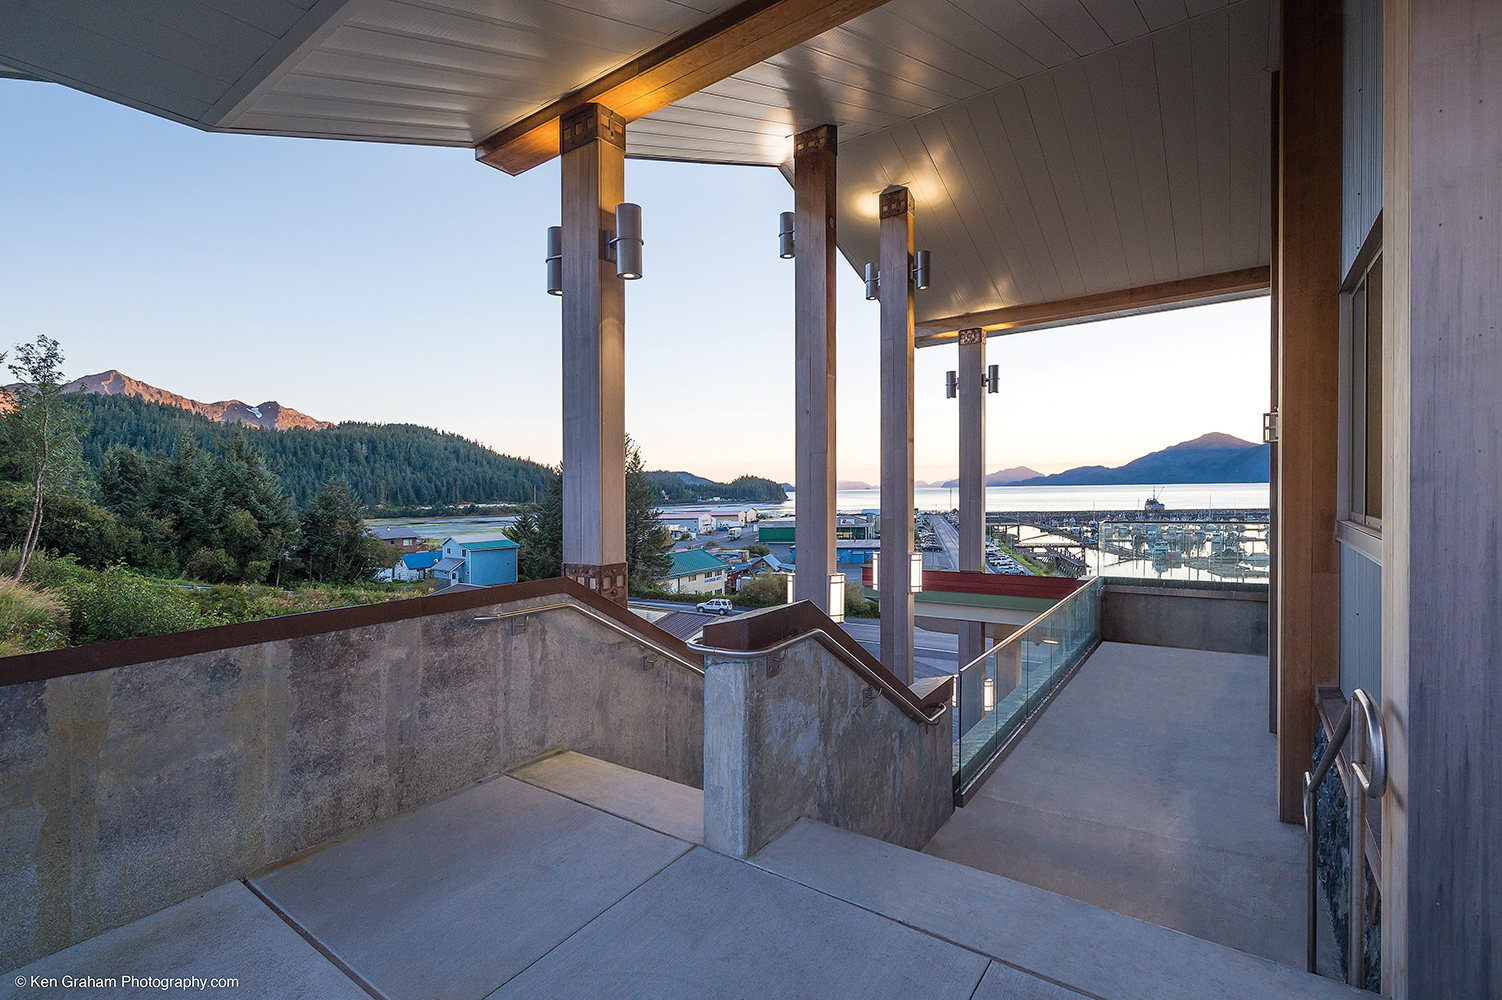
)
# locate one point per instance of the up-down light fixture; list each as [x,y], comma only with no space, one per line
[626,241]
[922,269]
[951,385]
[873,283]
[555,260]
[785,236]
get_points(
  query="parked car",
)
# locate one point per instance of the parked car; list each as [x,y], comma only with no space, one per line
[718,606]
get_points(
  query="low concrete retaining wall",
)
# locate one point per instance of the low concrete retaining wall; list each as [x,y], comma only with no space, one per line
[126,789]
[1224,619]
[801,734]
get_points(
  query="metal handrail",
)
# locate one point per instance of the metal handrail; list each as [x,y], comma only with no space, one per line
[834,646]
[605,620]
[1368,779]
[1089,581]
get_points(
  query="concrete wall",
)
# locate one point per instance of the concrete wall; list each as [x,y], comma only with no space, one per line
[125,790]
[1225,621]
[806,736]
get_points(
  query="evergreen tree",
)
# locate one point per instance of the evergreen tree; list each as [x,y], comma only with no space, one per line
[539,532]
[260,526]
[124,482]
[336,547]
[647,541]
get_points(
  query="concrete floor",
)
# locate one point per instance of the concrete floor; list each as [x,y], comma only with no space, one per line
[579,879]
[1147,788]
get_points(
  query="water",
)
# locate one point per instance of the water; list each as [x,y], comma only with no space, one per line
[1195,496]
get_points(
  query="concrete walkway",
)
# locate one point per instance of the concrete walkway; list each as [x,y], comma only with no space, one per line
[579,879]
[1147,788]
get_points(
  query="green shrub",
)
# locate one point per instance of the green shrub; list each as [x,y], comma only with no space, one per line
[121,605]
[764,590]
[30,620]
[856,605]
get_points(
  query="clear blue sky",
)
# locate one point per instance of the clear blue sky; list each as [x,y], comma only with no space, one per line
[386,283]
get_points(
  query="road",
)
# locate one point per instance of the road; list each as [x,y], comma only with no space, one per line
[949,537]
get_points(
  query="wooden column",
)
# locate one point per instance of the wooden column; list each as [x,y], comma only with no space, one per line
[972,365]
[1442,503]
[1272,486]
[896,209]
[593,141]
[814,354]
[1308,586]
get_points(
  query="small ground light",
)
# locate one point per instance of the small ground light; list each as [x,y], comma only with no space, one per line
[555,260]
[837,596]
[785,236]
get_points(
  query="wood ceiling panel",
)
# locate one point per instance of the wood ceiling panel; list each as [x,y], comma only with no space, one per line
[1175,78]
[1144,118]
[1109,102]
[938,224]
[1011,19]
[984,209]
[545,32]
[415,98]
[1120,21]
[1210,59]
[350,66]
[1033,169]
[1069,20]
[1042,102]
[912,52]
[275,17]
[806,88]
[1160,14]
[1251,143]
[1079,124]
[357,128]
[966,33]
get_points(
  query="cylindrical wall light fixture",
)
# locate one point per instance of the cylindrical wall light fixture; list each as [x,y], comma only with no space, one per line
[915,582]
[922,269]
[837,596]
[785,236]
[628,240]
[790,587]
[555,260]
[873,282]
[993,378]
[989,696]
[876,571]
[951,385]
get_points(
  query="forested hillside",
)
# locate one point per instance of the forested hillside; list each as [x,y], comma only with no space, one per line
[393,464]
[680,487]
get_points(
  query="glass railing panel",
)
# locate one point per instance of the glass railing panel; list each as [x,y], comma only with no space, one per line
[1161,549]
[997,693]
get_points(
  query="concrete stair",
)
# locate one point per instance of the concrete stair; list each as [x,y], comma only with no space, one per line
[644,799]
[1054,938]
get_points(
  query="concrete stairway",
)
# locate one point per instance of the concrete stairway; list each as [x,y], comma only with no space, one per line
[574,878]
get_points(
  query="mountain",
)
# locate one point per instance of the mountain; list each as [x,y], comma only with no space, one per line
[1003,477]
[270,415]
[852,484]
[1211,458]
[394,464]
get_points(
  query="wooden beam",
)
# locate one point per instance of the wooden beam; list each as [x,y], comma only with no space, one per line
[724,45]
[895,206]
[1146,298]
[1309,278]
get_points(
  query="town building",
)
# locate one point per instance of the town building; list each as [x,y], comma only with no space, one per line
[400,537]
[695,571]
[483,562]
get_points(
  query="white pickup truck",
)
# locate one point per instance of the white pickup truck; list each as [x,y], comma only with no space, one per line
[718,606]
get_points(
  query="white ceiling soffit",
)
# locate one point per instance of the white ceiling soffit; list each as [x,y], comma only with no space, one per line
[1055,148]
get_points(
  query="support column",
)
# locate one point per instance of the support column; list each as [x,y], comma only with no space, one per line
[593,141]
[897,432]
[1308,267]
[972,365]
[814,351]
[1442,499]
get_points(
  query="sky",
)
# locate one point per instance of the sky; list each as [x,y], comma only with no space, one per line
[388,283]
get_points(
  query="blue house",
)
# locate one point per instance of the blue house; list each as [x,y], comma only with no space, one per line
[479,563]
